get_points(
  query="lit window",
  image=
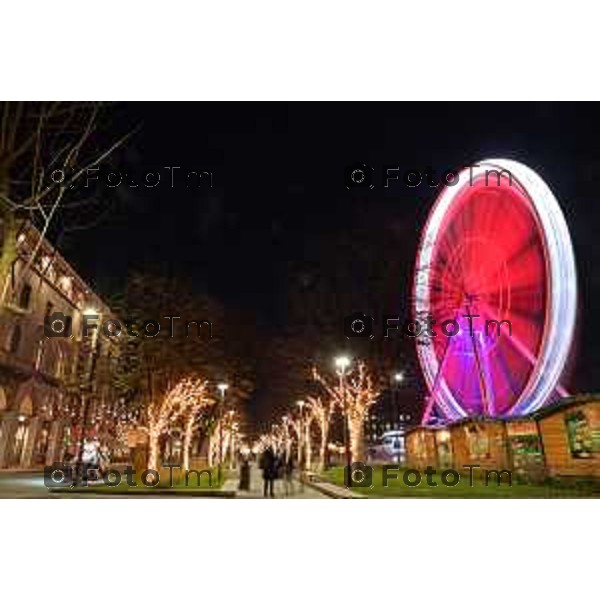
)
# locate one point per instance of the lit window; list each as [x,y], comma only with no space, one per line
[66,284]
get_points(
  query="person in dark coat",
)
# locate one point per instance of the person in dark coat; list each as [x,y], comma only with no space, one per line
[245,474]
[268,464]
[289,475]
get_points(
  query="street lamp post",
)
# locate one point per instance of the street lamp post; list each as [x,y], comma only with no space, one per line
[86,392]
[342,363]
[232,429]
[301,441]
[222,387]
[398,379]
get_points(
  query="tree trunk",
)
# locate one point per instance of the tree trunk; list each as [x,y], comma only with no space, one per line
[225,447]
[288,448]
[307,446]
[211,449]
[232,453]
[187,444]
[355,426]
[153,438]
[300,451]
[323,447]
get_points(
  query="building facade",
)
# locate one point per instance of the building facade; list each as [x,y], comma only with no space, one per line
[50,385]
[390,413]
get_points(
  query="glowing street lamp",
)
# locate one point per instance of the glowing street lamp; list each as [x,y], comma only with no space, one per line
[342,363]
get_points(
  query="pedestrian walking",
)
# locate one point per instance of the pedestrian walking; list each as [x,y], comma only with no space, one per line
[289,476]
[268,464]
[245,474]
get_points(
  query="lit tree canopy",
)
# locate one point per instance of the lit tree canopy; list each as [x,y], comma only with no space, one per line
[188,395]
[355,393]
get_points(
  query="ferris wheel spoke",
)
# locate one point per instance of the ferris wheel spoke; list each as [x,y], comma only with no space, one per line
[523,258]
[530,356]
[508,373]
[522,348]
[436,394]
[526,274]
[530,313]
[530,270]
[481,377]
[529,245]
[446,281]
[506,381]
[526,289]
[491,382]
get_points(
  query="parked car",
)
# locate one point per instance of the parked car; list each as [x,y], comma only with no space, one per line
[389,448]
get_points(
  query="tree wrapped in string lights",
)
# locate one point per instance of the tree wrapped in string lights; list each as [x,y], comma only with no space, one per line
[286,436]
[191,425]
[322,411]
[188,394]
[225,433]
[295,424]
[355,392]
[307,424]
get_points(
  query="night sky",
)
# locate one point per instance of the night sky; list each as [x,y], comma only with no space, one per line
[278,186]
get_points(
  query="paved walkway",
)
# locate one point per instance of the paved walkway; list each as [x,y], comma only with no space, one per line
[31,485]
[298,489]
[14,484]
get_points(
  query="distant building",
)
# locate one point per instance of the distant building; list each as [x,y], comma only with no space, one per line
[45,383]
[388,414]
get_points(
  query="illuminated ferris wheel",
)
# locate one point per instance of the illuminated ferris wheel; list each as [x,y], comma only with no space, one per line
[495,245]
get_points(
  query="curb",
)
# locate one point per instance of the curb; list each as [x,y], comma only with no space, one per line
[333,491]
[145,494]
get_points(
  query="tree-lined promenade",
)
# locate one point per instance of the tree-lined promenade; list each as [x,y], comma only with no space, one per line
[350,392]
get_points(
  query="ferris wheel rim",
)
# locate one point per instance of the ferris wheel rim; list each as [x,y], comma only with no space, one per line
[559,324]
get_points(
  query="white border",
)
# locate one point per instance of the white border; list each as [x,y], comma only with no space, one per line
[273,50]
[263,549]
